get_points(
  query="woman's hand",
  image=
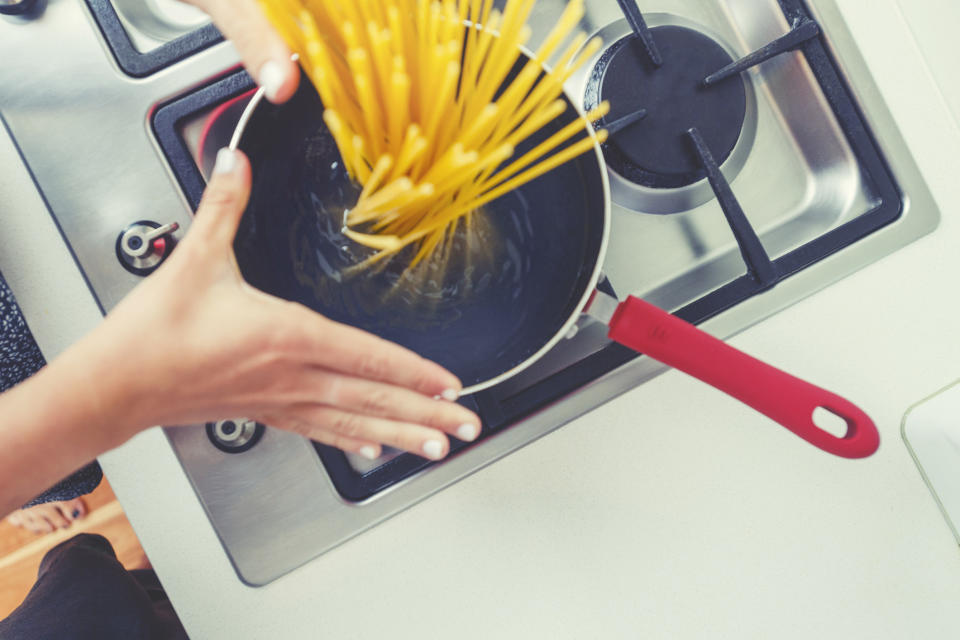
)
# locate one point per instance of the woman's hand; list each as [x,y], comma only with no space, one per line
[194,342]
[263,51]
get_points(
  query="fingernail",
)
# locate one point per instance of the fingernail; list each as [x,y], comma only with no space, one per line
[226,161]
[433,449]
[467,432]
[271,78]
[450,395]
[368,452]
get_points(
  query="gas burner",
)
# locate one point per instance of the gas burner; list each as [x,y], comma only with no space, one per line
[656,96]
[653,151]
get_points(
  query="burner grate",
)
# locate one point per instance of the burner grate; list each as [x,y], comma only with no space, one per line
[650,151]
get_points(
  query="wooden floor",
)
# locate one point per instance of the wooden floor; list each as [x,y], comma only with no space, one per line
[21,551]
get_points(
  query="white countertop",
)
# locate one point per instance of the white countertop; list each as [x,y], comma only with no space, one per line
[672,512]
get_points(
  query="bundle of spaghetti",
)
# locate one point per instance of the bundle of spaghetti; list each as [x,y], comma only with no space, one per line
[427,107]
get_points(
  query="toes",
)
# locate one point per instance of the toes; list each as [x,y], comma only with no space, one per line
[46,518]
[74,509]
[36,523]
[55,517]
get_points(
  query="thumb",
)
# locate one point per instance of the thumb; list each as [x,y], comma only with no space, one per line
[225,198]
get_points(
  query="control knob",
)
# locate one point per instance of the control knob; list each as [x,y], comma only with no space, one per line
[143,245]
[234,435]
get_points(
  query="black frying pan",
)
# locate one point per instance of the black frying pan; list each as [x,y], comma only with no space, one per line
[501,302]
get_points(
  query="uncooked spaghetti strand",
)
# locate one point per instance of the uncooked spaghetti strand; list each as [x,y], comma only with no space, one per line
[497,66]
[503,52]
[400,111]
[343,138]
[546,92]
[554,161]
[494,158]
[551,143]
[414,145]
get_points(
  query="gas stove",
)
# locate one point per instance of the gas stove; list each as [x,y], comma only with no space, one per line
[751,162]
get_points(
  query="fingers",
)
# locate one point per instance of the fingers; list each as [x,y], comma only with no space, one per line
[264,53]
[379,400]
[327,424]
[224,200]
[290,422]
[357,353]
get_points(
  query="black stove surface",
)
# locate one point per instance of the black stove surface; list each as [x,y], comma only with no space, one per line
[141,64]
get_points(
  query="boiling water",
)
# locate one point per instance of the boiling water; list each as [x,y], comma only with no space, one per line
[479,306]
[489,252]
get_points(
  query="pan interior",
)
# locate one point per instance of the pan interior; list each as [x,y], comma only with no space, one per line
[495,299]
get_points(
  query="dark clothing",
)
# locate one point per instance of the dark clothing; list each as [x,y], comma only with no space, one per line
[79,483]
[84,593]
[20,358]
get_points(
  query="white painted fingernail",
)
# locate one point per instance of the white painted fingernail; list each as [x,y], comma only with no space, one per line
[433,449]
[467,432]
[271,78]
[226,161]
[450,395]
[368,452]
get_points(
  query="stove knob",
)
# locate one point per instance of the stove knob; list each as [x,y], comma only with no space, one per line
[234,435]
[144,245]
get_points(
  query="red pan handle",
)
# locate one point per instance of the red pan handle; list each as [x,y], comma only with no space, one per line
[774,393]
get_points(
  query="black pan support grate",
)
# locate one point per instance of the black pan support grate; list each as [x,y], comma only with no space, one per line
[499,408]
[138,64]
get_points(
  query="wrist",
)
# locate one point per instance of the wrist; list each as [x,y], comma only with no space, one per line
[89,385]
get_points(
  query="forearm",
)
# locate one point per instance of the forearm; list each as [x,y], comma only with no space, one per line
[52,424]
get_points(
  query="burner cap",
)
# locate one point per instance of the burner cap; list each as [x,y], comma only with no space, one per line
[654,151]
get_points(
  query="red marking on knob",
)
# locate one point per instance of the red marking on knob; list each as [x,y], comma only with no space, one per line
[160,246]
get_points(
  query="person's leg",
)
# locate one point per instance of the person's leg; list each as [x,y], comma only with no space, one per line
[49,516]
[82,591]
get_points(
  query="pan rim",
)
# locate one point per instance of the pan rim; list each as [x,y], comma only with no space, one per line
[566,327]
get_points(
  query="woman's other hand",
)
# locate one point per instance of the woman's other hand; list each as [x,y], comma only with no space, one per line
[264,53]
[196,343]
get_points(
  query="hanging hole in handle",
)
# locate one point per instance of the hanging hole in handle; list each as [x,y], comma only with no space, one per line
[832,423]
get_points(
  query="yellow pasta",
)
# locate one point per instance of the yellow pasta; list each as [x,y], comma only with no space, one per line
[417,98]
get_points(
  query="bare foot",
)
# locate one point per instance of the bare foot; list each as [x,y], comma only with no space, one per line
[45,518]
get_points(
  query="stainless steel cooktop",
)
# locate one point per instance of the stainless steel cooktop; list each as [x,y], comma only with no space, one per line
[87,126]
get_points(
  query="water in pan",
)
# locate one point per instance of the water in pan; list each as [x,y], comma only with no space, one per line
[427,297]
